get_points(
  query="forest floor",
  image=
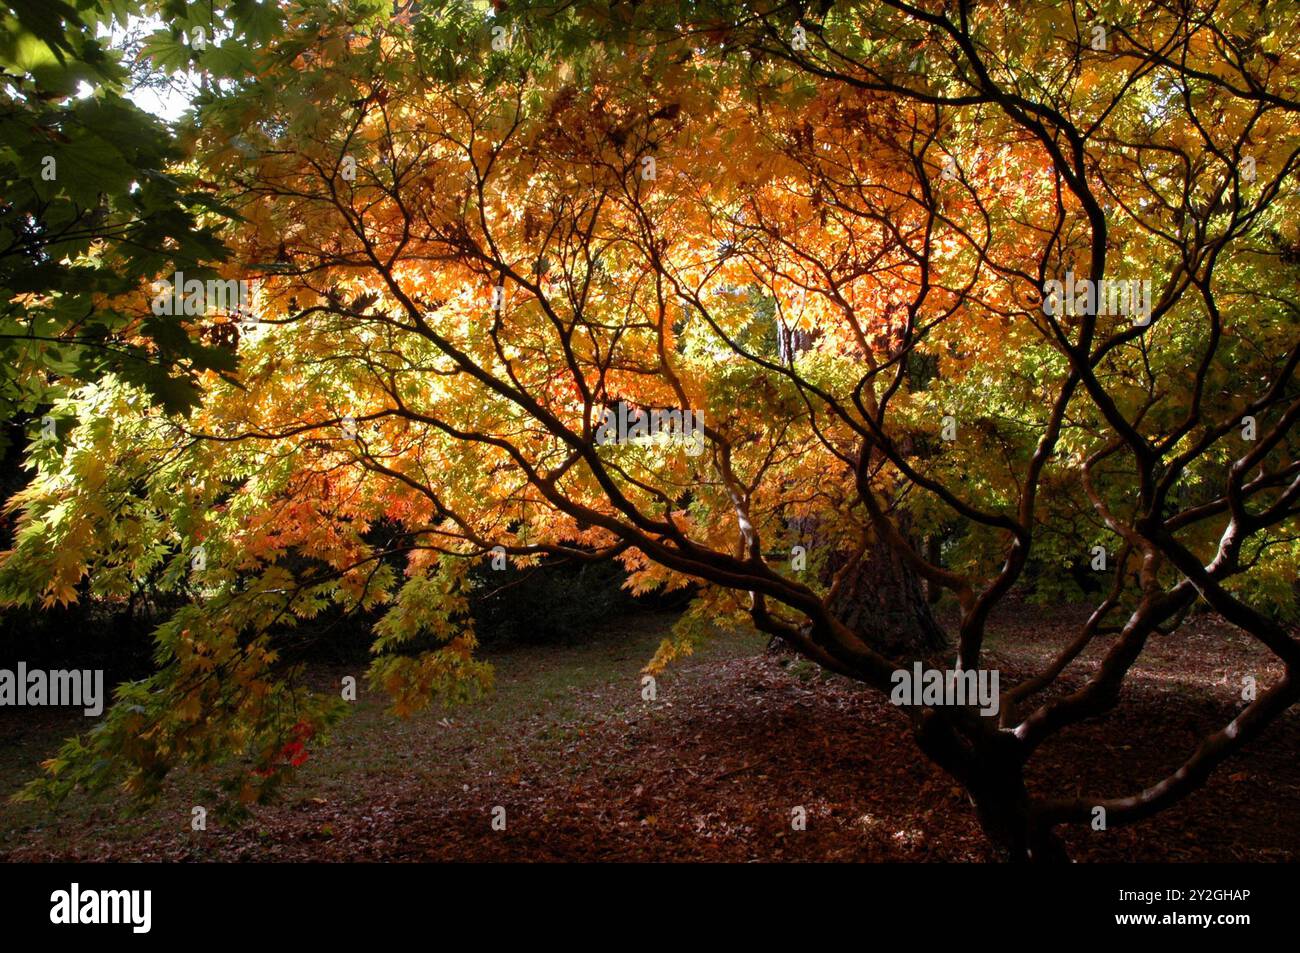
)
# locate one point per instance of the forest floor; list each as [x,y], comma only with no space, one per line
[735,740]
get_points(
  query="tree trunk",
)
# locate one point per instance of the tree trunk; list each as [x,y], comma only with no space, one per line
[883,602]
[1002,805]
[933,591]
[992,772]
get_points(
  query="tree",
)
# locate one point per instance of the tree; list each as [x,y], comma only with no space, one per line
[1044,282]
[95,203]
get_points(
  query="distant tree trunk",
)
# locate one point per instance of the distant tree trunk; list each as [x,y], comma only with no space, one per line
[883,602]
[933,591]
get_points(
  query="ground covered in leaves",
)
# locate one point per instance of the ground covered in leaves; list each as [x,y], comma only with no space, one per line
[712,769]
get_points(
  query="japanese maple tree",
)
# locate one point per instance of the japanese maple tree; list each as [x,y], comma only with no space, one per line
[834,234]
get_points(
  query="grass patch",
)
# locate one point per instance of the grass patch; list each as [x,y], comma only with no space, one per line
[546,699]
